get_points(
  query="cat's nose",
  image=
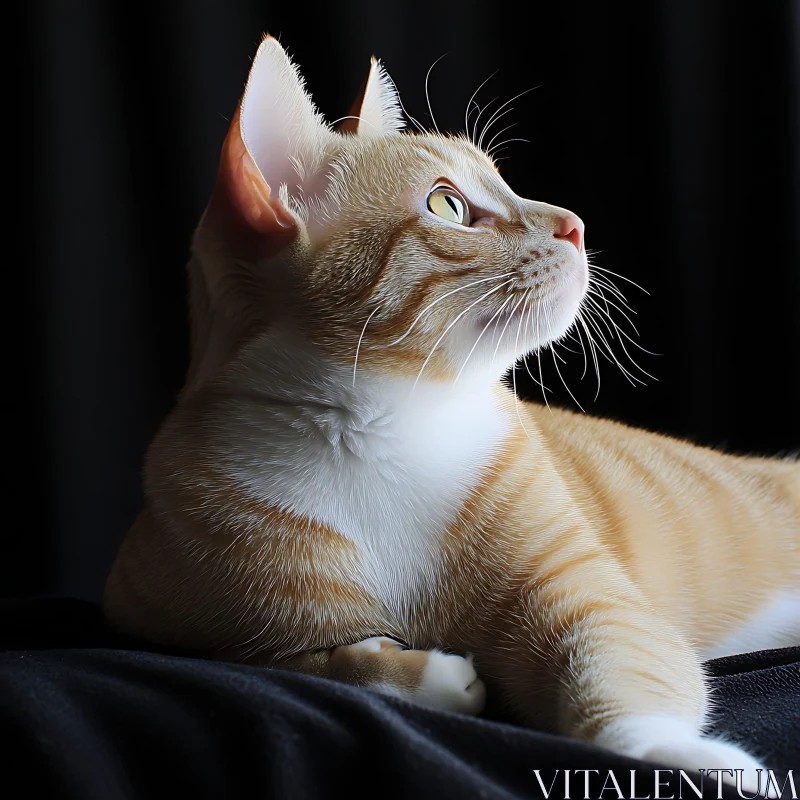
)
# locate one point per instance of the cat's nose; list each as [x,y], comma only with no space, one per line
[569,226]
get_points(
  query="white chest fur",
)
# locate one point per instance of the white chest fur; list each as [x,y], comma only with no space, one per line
[384,466]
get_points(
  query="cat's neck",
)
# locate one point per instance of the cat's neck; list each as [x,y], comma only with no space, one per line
[387,467]
[281,374]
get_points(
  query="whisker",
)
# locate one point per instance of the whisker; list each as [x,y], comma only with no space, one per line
[555,361]
[507,142]
[494,316]
[606,283]
[594,291]
[539,358]
[495,137]
[598,283]
[427,95]
[358,347]
[616,275]
[599,286]
[514,368]
[351,116]
[599,293]
[619,331]
[532,376]
[630,322]
[581,319]
[493,120]
[448,328]
[636,344]
[577,335]
[630,357]
[632,341]
[439,300]
[568,349]
[606,351]
[503,332]
[528,322]
[494,117]
[477,119]
[469,103]
[610,355]
[472,105]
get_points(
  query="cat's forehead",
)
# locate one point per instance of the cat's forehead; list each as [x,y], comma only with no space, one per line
[469,168]
[424,158]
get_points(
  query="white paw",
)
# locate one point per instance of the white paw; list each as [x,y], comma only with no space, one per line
[675,742]
[450,682]
[709,754]
[373,645]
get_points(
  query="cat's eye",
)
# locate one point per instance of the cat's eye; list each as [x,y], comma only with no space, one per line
[448,204]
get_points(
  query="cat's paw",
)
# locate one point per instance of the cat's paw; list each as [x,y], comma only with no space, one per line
[676,743]
[450,682]
[429,677]
[705,754]
[373,645]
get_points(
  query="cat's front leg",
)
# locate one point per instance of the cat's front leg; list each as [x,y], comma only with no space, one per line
[429,677]
[671,740]
[626,679]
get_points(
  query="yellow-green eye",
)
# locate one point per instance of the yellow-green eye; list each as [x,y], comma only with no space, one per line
[448,204]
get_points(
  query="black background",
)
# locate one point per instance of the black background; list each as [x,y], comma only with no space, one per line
[671,128]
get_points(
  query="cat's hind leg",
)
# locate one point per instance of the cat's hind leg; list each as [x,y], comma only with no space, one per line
[430,677]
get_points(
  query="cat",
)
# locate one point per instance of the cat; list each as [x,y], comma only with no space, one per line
[346,487]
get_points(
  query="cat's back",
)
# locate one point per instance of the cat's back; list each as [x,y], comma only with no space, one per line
[710,537]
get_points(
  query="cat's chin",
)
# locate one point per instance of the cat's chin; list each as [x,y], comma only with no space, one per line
[526,326]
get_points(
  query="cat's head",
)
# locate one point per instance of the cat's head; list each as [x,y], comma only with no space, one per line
[409,247]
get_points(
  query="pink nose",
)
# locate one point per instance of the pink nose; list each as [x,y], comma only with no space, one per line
[569,226]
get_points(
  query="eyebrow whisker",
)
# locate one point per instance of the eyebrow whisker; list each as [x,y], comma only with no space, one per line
[427,95]
[494,116]
[469,103]
[494,138]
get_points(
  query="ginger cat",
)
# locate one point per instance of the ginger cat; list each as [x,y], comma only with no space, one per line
[344,471]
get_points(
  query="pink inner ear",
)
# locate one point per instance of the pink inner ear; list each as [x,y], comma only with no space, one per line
[252,217]
[281,128]
[350,123]
[276,139]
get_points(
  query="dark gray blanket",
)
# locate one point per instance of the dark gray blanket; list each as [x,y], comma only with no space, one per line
[88,715]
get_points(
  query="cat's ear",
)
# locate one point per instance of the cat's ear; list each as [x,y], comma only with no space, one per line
[275,137]
[377,109]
